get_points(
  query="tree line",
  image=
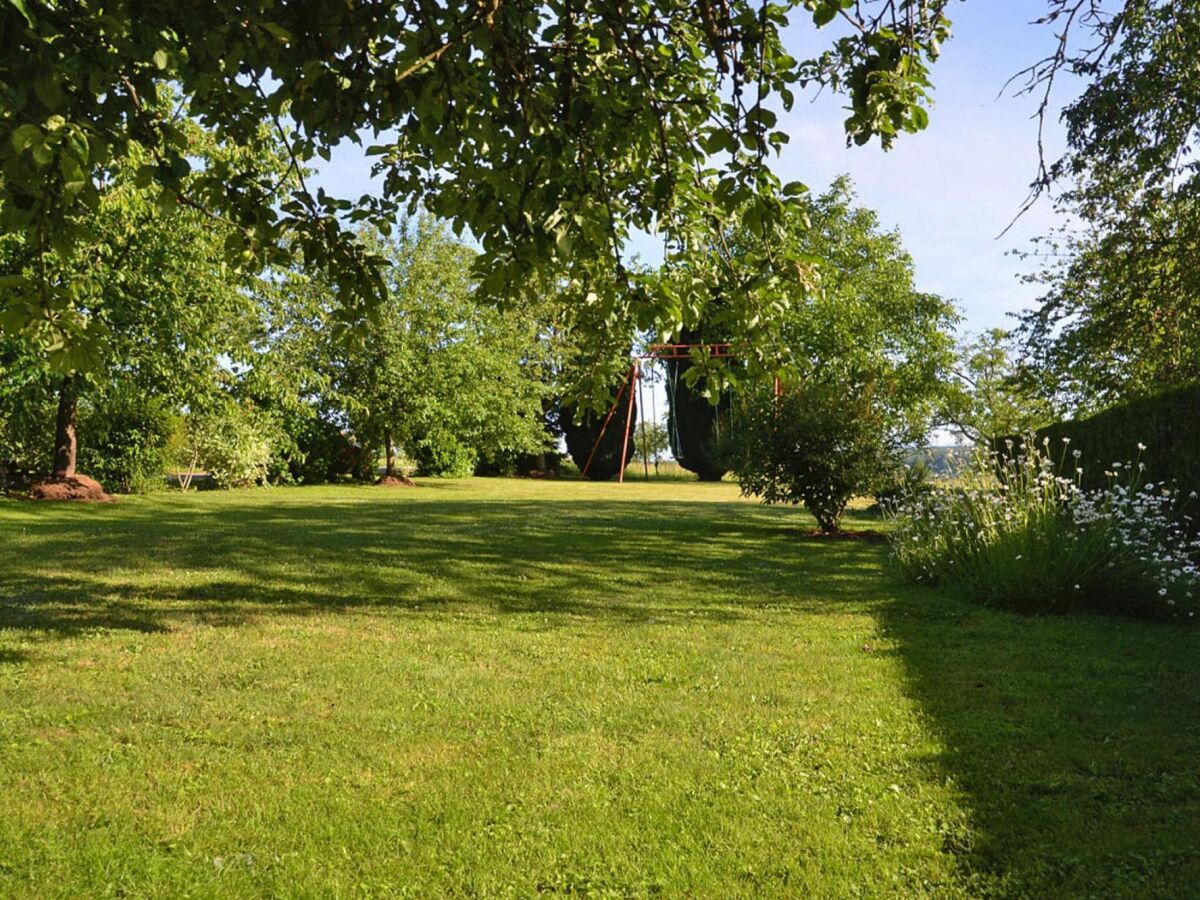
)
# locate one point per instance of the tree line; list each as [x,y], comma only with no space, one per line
[162,247]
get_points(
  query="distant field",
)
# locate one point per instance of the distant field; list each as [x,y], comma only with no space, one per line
[509,688]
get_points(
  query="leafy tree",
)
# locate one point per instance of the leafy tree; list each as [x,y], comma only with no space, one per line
[550,130]
[818,444]
[862,318]
[153,303]
[598,442]
[867,319]
[1119,316]
[26,409]
[1120,312]
[651,441]
[871,352]
[430,370]
[1134,125]
[993,395]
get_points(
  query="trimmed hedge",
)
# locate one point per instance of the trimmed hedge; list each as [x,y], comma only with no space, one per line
[1168,424]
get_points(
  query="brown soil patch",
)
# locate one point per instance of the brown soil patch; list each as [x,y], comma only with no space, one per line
[396,481]
[79,488]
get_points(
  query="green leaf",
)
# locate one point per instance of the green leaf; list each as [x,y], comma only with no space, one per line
[48,91]
[144,176]
[42,155]
[824,14]
[24,135]
[719,140]
[160,59]
[20,7]
[564,244]
[278,32]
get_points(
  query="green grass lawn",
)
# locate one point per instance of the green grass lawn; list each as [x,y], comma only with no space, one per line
[511,688]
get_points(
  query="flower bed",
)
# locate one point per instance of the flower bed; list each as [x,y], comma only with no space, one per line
[1018,534]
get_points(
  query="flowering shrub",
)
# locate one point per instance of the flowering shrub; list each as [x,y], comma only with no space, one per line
[232,444]
[1019,535]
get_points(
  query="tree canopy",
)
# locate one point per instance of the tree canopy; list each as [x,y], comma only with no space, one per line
[870,355]
[1119,316]
[993,393]
[431,371]
[153,306]
[549,130]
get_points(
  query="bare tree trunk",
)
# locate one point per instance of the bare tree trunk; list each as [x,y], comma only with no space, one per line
[65,446]
[186,481]
[390,469]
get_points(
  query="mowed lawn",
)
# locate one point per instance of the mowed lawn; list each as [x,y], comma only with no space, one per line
[512,688]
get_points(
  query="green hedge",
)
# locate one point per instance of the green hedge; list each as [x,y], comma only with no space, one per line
[1168,424]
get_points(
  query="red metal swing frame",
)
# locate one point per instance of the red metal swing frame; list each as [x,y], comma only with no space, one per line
[654,352]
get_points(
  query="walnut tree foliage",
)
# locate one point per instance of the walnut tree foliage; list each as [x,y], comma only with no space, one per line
[549,130]
[1119,315]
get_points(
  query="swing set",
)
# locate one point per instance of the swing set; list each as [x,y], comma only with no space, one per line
[633,381]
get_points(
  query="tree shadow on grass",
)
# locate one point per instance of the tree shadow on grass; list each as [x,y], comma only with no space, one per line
[151,567]
[1075,743]
[12,657]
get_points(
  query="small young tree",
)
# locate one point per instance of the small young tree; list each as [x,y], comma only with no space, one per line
[992,395]
[651,441]
[819,444]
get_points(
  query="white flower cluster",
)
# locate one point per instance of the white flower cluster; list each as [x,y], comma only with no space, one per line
[1017,525]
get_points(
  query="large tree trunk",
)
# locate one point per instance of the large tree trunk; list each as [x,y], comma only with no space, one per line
[65,446]
[390,468]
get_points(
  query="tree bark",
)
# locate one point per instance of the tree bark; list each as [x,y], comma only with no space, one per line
[65,446]
[390,468]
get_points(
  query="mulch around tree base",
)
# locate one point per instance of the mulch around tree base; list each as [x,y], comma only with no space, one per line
[78,488]
[396,481]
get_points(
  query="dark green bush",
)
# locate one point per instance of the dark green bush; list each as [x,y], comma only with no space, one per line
[326,454]
[126,443]
[581,438]
[695,425]
[441,454]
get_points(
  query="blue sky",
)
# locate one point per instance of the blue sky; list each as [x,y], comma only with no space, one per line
[950,190]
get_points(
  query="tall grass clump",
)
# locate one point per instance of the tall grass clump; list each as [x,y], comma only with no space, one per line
[1018,534]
